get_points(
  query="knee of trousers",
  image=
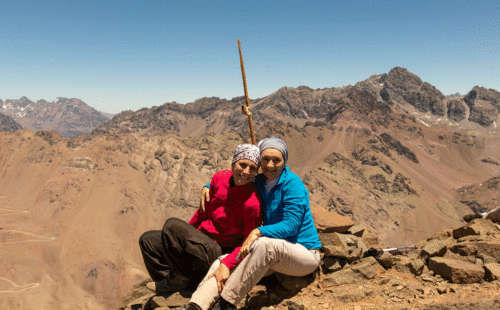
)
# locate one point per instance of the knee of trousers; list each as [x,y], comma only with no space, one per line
[172,223]
[146,238]
[270,249]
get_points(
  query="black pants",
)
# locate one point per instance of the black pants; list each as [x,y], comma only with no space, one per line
[178,247]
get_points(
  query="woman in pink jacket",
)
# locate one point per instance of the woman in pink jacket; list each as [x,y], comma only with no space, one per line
[179,255]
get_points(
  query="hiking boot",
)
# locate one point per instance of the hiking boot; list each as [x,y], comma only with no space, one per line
[470,217]
[174,282]
[222,304]
[190,306]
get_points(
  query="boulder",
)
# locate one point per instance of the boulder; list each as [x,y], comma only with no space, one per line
[492,272]
[358,230]
[402,263]
[365,268]
[477,227]
[456,271]
[333,264]
[416,266]
[434,248]
[334,245]
[387,260]
[483,247]
[328,222]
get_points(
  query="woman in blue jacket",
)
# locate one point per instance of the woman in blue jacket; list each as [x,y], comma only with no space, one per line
[288,242]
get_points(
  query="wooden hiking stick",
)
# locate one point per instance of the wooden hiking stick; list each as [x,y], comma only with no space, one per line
[246,109]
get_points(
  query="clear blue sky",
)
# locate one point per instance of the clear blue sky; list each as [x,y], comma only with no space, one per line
[117,55]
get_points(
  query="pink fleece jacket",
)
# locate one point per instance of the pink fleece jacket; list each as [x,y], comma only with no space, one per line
[230,215]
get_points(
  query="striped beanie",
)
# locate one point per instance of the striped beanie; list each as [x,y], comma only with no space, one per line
[247,151]
[274,143]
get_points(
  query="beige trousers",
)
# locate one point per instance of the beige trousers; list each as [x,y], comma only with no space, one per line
[269,255]
[207,293]
[493,215]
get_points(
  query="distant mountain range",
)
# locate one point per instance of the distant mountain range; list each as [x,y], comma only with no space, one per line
[70,117]
[400,89]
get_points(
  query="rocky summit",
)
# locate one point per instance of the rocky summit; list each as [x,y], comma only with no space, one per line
[453,269]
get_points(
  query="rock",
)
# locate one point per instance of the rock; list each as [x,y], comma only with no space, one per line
[358,230]
[292,283]
[484,105]
[333,263]
[456,271]
[355,255]
[334,245]
[365,268]
[489,248]
[295,304]
[158,301]
[371,241]
[483,113]
[492,272]
[387,260]
[416,266]
[141,301]
[151,285]
[348,295]
[488,259]
[442,289]
[457,109]
[329,222]
[172,301]
[402,264]
[433,248]
[477,227]
[80,163]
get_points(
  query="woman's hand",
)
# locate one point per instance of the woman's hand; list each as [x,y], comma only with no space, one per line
[245,247]
[221,274]
[204,197]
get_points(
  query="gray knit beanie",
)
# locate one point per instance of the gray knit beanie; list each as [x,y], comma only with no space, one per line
[274,143]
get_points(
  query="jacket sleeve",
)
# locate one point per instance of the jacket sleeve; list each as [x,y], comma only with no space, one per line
[200,216]
[295,199]
[252,218]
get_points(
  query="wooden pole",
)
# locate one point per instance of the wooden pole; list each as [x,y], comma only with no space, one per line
[246,109]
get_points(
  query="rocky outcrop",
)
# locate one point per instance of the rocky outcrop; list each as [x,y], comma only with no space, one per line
[457,271]
[457,109]
[484,105]
[429,277]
